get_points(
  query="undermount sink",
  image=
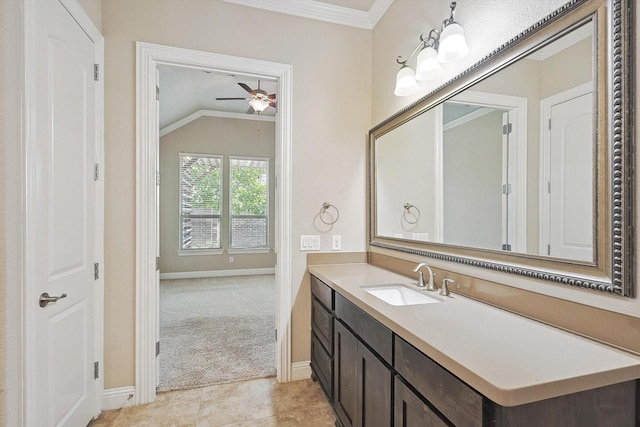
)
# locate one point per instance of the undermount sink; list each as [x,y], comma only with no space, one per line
[399,294]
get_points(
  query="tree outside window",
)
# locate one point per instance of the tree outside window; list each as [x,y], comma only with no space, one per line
[249,196]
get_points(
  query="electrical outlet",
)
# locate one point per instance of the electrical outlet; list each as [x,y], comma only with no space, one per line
[336,242]
[230,259]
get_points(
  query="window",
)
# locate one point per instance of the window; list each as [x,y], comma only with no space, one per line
[200,201]
[249,207]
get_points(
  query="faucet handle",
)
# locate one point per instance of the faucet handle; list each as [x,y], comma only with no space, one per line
[444,290]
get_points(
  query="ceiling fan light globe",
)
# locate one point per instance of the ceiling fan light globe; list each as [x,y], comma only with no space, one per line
[259,104]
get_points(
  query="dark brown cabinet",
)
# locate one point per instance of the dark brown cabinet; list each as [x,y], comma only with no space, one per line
[322,335]
[362,383]
[411,411]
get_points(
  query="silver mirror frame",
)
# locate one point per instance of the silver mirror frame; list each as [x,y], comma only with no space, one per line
[612,271]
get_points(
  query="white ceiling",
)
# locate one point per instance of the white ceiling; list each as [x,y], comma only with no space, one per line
[185,91]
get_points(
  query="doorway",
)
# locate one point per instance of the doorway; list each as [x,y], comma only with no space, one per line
[149,57]
[216,222]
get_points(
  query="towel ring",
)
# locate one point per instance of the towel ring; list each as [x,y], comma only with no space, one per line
[411,211]
[323,212]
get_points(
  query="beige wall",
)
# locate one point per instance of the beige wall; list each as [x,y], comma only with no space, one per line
[390,39]
[331,114]
[220,136]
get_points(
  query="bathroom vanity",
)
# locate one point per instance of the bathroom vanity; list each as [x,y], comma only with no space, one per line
[457,362]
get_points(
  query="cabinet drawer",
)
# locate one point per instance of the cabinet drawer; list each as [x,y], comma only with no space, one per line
[410,410]
[454,399]
[322,324]
[323,292]
[372,332]
[322,366]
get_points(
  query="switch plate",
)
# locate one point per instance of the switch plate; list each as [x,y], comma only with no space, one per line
[336,242]
[310,242]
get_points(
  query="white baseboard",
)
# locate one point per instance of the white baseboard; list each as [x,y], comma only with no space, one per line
[300,371]
[116,398]
[217,273]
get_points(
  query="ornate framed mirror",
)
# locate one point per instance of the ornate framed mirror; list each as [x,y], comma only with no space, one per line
[522,164]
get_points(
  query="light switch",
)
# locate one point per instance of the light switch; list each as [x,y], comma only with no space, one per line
[310,242]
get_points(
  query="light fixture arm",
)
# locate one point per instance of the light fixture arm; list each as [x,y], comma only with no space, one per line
[430,41]
[452,14]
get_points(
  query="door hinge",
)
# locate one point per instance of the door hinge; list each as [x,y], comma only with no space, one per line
[506,189]
[507,129]
[157,93]
[506,247]
[96,271]
[548,186]
[157,263]
[548,249]
[549,124]
[96,370]
[96,172]
[157,348]
[276,335]
[96,72]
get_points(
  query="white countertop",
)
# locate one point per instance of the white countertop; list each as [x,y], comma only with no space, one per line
[510,359]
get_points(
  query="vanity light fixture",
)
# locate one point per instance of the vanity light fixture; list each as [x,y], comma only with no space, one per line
[441,46]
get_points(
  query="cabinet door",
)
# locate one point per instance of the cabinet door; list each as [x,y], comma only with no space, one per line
[411,411]
[345,376]
[374,390]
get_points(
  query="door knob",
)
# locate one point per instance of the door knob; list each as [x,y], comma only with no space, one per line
[45,299]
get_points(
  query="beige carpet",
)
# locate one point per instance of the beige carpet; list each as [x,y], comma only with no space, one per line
[216,330]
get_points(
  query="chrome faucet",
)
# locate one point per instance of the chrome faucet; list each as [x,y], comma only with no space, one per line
[421,284]
[444,290]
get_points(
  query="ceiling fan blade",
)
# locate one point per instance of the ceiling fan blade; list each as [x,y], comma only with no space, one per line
[272,104]
[250,110]
[271,96]
[246,87]
[232,99]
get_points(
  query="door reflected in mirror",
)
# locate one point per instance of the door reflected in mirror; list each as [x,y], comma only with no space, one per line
[506,165]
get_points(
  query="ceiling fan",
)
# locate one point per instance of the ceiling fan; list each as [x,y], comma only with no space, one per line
[258,101]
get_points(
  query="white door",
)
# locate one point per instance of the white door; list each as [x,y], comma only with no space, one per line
[61,218]
[571,179]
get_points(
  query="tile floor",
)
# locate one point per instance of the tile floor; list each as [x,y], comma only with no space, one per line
[255,403]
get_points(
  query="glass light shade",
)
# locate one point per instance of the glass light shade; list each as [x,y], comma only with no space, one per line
[453,45]
[258,104]
[405,82]
[427,66]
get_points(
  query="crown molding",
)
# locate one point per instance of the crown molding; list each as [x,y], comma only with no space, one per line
[321,11]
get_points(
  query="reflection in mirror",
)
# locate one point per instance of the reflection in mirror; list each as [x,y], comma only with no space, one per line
[506,165]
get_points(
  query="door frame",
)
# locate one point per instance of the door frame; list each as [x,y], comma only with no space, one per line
[148,56]
[517,107]
[21,357]
[545,149]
